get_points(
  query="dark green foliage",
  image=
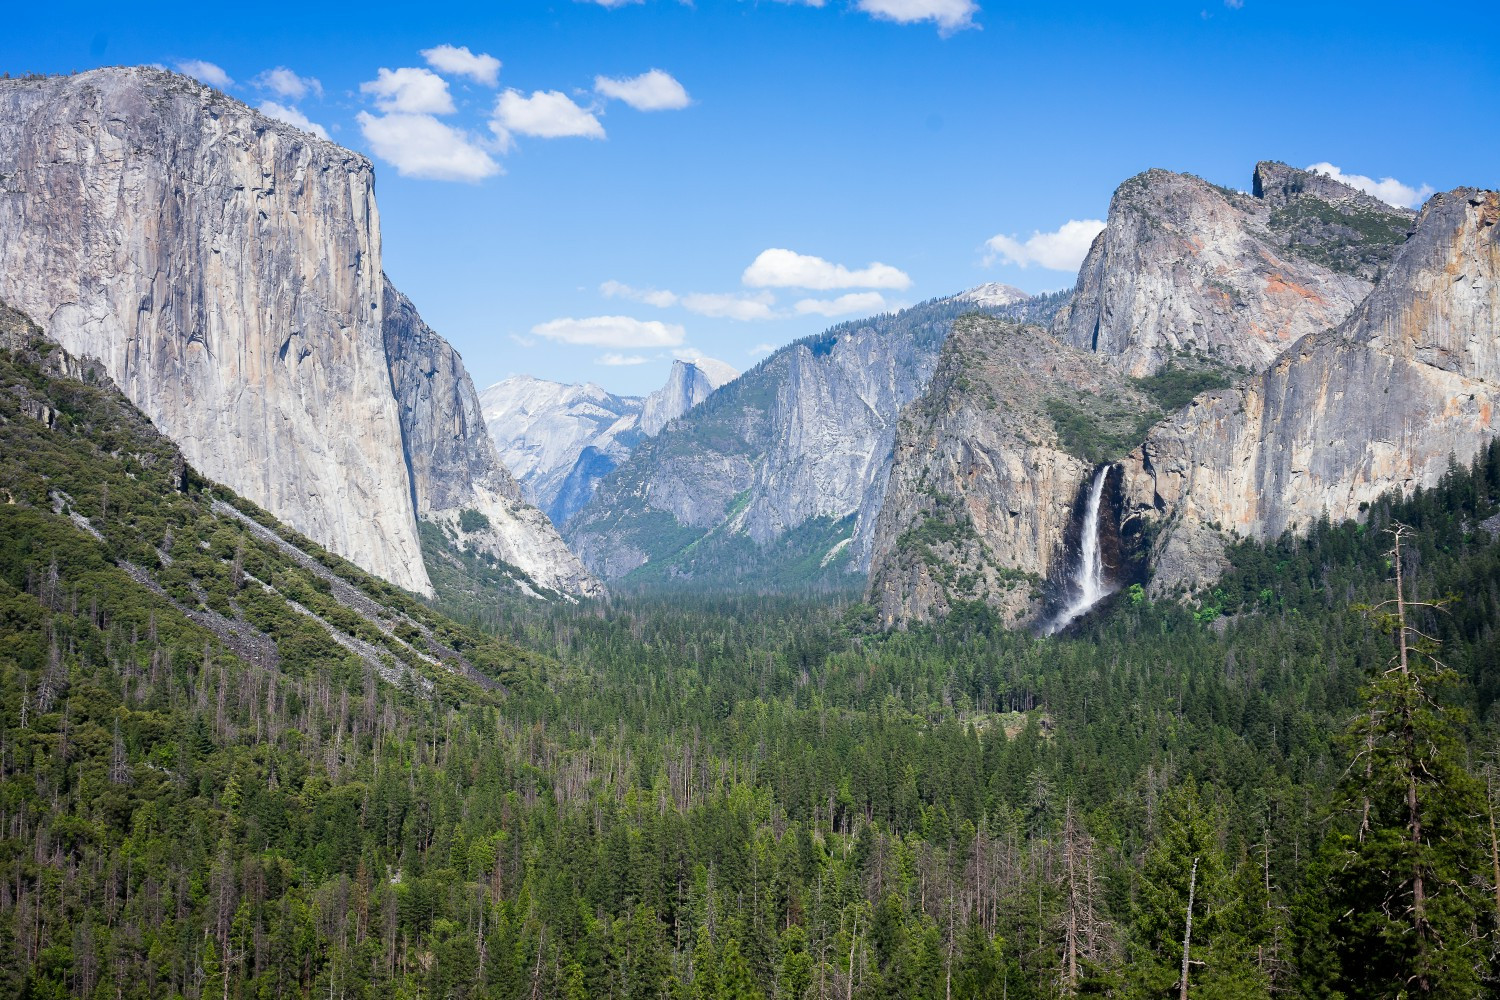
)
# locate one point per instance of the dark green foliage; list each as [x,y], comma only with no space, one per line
[471,521]
[684,797]
[1098,430]
[1412,918]
[1174,386]
[1352,239]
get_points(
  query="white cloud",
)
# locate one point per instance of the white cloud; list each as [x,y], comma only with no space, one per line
[717,305]
[620,332]
[292,117]
[1387,189]
[206,72]
[721,306]
[948,15]
[776,268]
[760,349]
[1062,250]
[613,359]
[284,83]
[409,91]
[422,146]
[854,302]
[457,60]
[651,296]
[546,114]
[651,91]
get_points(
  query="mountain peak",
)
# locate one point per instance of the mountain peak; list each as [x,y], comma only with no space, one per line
[717,372]
[992,295]
[1277,184]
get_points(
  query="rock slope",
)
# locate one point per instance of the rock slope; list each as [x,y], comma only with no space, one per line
[688,384]
[454,467]
[540,429]
[1407,382]
[1187,269]
[984,485]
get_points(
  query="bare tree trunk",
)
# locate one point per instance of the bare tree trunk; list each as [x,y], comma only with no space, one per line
[1494,841]
[1187,936]
[1413,809]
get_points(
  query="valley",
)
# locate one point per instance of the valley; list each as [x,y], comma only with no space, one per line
[1118,641]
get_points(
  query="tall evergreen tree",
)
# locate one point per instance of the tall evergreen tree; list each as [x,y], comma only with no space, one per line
[1408,879]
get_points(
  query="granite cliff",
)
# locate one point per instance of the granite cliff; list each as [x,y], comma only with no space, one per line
[454,468]
[1408,382]
[1191,272]
[225,268]
[1390,369]
[987,472]
[776,479]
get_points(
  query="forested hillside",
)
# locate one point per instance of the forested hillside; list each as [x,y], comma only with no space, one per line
[224,773]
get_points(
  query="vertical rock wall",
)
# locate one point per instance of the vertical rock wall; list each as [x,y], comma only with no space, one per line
[225,268]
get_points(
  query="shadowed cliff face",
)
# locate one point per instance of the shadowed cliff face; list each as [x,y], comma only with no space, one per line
[454,467]
[1185,268]
[225,269]
[1410,379]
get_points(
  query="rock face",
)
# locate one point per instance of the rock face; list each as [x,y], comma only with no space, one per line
[454,467]
[777,478]
[688,384]
[1408,380]
[983,489]
[225,268]
[1186,269]
[560,440]
[540,429]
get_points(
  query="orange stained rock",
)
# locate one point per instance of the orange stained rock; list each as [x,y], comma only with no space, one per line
[1276,284]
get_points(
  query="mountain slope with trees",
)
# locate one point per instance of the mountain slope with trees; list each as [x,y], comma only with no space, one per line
[754,797]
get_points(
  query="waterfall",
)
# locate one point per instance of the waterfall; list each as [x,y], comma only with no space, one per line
[1086,582]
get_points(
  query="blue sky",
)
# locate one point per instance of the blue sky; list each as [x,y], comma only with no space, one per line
[572,214]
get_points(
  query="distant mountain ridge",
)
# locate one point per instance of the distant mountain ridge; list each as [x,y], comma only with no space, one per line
[777,479]
[560,440]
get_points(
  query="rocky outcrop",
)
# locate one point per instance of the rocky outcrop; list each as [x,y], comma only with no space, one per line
[225,269]
[560,440]
[777,478]
[1188,270]
[458,481]
[1408,381]
[688,384]
[983,488]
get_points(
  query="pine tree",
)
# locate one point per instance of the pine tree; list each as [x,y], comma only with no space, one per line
[1183,873]
[1409,877]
